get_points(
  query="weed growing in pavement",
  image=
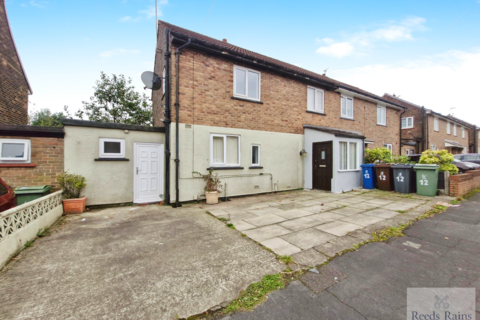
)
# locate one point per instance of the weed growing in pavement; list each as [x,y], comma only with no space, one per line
[285,259]
[223,219]
[456,201]
[471,193]
[28,244]
[401,211]
[43,232]
[231,226]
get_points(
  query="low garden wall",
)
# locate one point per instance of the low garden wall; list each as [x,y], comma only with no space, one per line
[22,223]
[461,184]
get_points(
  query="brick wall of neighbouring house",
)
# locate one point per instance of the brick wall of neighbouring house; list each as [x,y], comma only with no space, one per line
[206,88]
[47,155]
[462,184]
[157,95]
[13,85]
[438,138]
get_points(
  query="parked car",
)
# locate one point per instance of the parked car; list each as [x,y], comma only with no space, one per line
[465,166]
[469,157]
[7,197]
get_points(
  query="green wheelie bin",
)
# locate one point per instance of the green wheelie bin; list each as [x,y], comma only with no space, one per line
[26,194]
[427,179]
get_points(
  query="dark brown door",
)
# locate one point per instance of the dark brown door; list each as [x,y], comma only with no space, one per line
[322,166]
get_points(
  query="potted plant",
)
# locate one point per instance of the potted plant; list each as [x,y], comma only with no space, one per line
[72,185]
[212,187]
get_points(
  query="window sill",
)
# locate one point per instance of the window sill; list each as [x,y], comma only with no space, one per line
[344,118]
[225,168]
[255,167]
[111,159]
[316,112]
[17,165]
[247,100]
[381,125]
[407,128]
[356,170]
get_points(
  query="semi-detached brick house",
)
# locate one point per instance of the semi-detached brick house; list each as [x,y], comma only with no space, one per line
[424,129]
[264,124]
[14,86]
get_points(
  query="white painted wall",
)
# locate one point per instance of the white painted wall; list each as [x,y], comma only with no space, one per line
[280,159]
[342,180]
[108,182]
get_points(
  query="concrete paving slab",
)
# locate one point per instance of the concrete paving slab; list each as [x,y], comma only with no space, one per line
[311,202]
[280,246]
[362,219]
[319,208]
[262,205]
[242,225]
[267,232]
[363,205]
[347,211]
[300,223]
[309,258]
[218,212]
[338,228]
[290,206]
[337,245]
[382,213]
[294,213]
[326,217]
[380,202]
[265,219]
[153,263]
[238,216]
[267,210]
[307,238]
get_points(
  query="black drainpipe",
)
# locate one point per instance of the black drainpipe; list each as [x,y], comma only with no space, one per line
[423,132]
[167,115]
[177,109]
[400,137]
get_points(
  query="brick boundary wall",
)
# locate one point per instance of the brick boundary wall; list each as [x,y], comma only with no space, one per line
[461,184]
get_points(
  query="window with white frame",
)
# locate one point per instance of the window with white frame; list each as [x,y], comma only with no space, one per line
[15,151]
[381,115]
[255,155]
[348,156]
[315,99]
[448,127]
[389,146]
[435,124]
[433,148]
[111,148]
[224,150]
[412,151]
[407,123]
[455,130]
[347,107]
[463,133]
[246,83]
[407,152]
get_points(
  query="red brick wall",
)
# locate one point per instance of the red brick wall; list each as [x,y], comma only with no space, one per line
[461,184]
[13,86]
[47,155]
[206,88]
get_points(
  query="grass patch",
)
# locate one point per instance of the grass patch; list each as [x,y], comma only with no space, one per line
[43,233]
[456,201]
[285,259]
[256,293]
[223,219]
[28,244]
[401,211]
[392,232]
[231,226]
[471,193]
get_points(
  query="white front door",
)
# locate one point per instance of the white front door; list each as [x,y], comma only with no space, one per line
[148,172]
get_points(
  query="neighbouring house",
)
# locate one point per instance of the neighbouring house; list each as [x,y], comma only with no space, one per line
[472,134]
[121,163]
[14,86]
[31,155]
[262,124]
[424,129]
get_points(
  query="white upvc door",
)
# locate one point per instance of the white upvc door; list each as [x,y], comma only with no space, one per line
[148,172]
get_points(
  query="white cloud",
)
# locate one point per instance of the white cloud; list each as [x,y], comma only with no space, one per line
[38,4]
[147,14]
[362,41]
[337,50]
[437,82]
[116,52]
[125,19]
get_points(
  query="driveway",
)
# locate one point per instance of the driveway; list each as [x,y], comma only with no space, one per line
[312,225]
[147,262]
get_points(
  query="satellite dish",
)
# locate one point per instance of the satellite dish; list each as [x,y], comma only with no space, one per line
[151,80]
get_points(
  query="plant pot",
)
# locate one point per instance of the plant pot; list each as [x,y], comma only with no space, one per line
[212,197]
[74,205]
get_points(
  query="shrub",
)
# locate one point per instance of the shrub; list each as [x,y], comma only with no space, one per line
[440,157]
[213,183]
[378,154]
[72,184]
[400,159]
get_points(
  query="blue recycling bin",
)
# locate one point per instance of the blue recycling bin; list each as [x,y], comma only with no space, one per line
[368,176]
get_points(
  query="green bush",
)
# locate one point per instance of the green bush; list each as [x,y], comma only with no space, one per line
[72,184]
[400,159]
[378,154]
[440,157]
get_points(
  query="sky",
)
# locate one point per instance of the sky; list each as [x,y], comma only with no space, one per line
[426,52]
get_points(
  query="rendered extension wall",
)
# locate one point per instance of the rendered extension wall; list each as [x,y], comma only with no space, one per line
[280,159]
[108,182]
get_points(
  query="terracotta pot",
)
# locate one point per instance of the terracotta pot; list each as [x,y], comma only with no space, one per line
[74,205]
[212,197]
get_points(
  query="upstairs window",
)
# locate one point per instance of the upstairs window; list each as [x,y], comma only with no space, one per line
[455,130]
[347,107]
[14,151]
[463,133]
[448,127]
[435,124]
[224,150]
[389,146]
[246,83]
[111,148]
[315,100]
[381,115]
[407,123]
